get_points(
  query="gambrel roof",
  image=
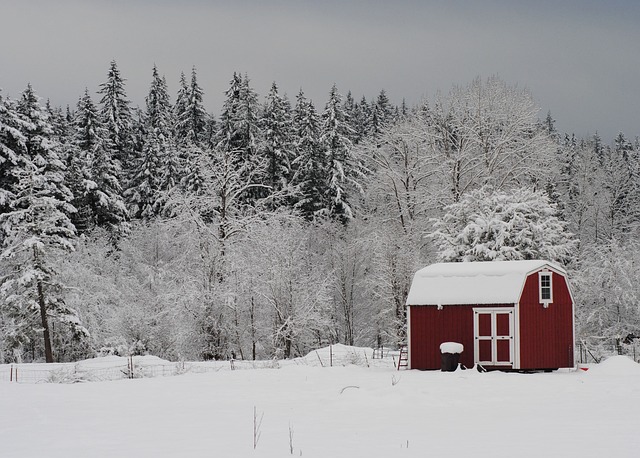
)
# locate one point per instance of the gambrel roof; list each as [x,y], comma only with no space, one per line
[466,283]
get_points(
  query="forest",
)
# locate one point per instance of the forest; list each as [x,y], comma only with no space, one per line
[278,225]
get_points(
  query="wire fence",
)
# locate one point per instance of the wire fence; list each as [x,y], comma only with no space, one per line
[118,368]
[92,371]
[588,352]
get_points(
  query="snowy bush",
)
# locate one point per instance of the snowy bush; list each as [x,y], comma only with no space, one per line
[491,225]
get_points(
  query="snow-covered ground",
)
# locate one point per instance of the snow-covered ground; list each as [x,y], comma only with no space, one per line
[366,409]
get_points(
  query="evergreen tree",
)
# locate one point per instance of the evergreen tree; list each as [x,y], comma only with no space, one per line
[143,193]
[191,117]
[229,138]
[159,110]
[381,114]
[160,154]
[361,120]
[180,109]
[12,144]
[239,133]
[96,184]
[277,144]
[343,167]
[115,114]
[310,166]
[35,231]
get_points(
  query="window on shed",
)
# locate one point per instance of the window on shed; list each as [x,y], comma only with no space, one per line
[546,290]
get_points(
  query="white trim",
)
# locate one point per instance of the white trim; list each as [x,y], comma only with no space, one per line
[493,311]
[408,337]
[548,274]
[516,335]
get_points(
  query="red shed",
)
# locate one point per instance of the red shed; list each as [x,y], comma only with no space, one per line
[507,314]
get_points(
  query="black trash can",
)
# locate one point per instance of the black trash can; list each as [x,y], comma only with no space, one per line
[450,356]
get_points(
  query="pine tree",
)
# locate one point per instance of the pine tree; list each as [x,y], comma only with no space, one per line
[361,120]
[191,117]
[159,110]
[12,144]
[115,114]
[277,144]
[310,166]
[143,192]
[381,114]
[229,138]
[239,133]
[163,151]
[97,188]
[180,109]
[343,167]
[35,231]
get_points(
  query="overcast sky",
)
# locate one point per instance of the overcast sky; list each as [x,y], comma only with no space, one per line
[579,58]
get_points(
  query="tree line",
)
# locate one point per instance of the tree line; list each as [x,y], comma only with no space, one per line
[276,227]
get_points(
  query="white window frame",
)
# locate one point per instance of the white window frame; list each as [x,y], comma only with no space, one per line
[549,274]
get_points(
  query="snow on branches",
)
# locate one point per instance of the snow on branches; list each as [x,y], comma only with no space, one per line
[488,225]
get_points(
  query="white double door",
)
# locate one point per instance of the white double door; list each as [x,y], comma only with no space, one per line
[493,330]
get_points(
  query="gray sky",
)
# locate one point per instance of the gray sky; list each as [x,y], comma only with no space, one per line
[580,59]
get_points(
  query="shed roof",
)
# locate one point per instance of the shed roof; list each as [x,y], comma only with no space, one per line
[464,283]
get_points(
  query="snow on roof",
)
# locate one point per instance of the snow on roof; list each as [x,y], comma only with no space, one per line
[463,283]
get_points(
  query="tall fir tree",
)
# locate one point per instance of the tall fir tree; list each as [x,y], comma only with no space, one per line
[99,194]
[381,114]
[36,231]
[191,116]
[143,193]
[115,115]
[239,133]
[180,109]
[12,144]
[310,166]
[159,110]
[277,145]
[159,119]
[343,167]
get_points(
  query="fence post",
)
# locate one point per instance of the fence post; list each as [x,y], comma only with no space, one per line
[330,355]
[11,373]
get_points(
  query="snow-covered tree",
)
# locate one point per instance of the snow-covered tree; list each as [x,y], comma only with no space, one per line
[12,145]
[311,171]
[287,284]
[159,110]
[95,174]
[36,231]
[607,291]
[488,133]
[115,114]
[404,187]
[277,146]
[344,169]
[488,225]
[191,116]
[143,193]
[381,114]
[239,132]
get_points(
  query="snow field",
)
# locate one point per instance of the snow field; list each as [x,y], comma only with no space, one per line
[340,411]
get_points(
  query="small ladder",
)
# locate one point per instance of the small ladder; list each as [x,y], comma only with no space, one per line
[403,361]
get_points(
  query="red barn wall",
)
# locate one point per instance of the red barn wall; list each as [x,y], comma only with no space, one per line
[429,327]
[546,334]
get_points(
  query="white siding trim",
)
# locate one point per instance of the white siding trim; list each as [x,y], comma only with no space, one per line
[516,335]
[408,338]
